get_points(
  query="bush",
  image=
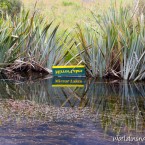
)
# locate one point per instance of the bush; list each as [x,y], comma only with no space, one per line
[67,3]
[10,7]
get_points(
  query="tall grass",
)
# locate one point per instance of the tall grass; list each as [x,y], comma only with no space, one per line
[29,37]
[111,46]
[115,46]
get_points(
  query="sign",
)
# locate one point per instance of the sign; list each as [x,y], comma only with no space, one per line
[69,71]
[68,82]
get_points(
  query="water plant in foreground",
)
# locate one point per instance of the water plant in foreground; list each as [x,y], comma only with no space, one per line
[30,42]
[114,45]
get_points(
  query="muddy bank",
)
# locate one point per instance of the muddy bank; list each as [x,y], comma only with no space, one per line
[11,111]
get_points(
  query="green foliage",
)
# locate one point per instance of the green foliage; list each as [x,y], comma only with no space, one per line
[67,3]
[10,7]
[115,46]
[31,38]
[112,47]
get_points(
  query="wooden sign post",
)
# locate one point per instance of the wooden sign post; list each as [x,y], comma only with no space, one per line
[69,71]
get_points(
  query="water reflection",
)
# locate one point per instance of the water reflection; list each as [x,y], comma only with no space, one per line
[68,81]
[117,108]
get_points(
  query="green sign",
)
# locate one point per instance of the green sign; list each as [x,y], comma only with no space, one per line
[69,71]
[68,82]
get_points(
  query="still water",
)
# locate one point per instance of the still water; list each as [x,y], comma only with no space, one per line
[72,111]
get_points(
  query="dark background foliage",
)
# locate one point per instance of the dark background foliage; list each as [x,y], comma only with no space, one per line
[10,7]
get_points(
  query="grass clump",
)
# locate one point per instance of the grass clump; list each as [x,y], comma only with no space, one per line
[114,46]
[29,38]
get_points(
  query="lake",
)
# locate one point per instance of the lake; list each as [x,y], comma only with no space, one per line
[72,111]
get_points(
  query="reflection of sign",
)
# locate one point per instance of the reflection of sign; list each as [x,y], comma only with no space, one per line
[68,82]
[69,71]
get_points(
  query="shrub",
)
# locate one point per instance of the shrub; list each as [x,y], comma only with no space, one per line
[10,7]
[66,3]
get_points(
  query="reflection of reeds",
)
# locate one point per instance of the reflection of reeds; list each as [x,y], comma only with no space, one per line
[125,111]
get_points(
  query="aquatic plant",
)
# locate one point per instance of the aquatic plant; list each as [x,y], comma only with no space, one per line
[112,46]
[29,38]
[115,45]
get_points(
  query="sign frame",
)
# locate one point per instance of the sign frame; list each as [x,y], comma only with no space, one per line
[68,81]
[69,71]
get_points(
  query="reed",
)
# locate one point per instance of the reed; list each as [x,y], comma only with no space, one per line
[29,38]
[111,45]
[114,46]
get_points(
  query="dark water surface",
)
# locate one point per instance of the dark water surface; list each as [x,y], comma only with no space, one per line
[72,111]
